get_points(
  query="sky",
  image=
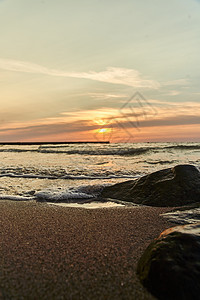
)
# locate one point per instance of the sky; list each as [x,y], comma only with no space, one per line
[96,70]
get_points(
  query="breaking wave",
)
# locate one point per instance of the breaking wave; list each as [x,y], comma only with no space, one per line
[68,195]
[107,149]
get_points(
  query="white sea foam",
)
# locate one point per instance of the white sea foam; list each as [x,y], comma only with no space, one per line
[105,149]
[91,205]
[16,198]
[72,194]
[99,177]
[40,172]
[190,216]
[77,172]
[28,176]
[63,196]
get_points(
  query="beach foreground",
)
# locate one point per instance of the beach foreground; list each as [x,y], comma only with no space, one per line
[50,252]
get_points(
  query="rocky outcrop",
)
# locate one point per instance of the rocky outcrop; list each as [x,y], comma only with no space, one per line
[175,186]
[170,266]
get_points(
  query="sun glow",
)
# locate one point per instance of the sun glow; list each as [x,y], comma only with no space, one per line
[104,130]
[101,122]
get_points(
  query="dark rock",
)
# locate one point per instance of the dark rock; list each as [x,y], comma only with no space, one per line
[170,266]
[175,186]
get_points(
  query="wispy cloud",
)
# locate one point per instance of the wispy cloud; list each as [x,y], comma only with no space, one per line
[129,77]
[85,119]
[85,129]
[179,82]
[173,93]
[81,125]
[112,97]
[101,96]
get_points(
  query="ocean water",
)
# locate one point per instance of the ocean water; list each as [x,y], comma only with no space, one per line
[76,172]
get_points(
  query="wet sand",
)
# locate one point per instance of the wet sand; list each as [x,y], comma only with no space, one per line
[50,252]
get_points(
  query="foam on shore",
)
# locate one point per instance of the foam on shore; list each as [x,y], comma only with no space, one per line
[91,205]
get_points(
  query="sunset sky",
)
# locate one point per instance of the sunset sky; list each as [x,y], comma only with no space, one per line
[127,71]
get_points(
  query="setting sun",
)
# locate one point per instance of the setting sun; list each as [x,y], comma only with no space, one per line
[104,130]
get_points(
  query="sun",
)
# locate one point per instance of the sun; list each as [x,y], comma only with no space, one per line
[104,130]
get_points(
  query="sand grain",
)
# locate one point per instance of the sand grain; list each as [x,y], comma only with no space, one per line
[49,252]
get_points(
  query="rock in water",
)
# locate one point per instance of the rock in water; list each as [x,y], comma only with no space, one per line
[170,266]
[175,186]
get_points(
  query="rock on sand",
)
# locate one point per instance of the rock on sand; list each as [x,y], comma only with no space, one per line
[175,186]
[170,266]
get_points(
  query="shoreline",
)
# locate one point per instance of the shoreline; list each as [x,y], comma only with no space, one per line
[50,252]
[52,143]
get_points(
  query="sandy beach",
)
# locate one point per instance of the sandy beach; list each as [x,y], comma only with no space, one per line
[50,252]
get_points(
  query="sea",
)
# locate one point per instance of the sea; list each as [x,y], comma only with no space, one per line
[74,174]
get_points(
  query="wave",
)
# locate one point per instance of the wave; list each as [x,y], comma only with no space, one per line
[62,197]
[121,152]
[110,149]
[71,177]
[71,194]
[124,152]
[78,194]
[190,216]
[184,147]
[161,162]
[18,150]
[16,197]
[28,176]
